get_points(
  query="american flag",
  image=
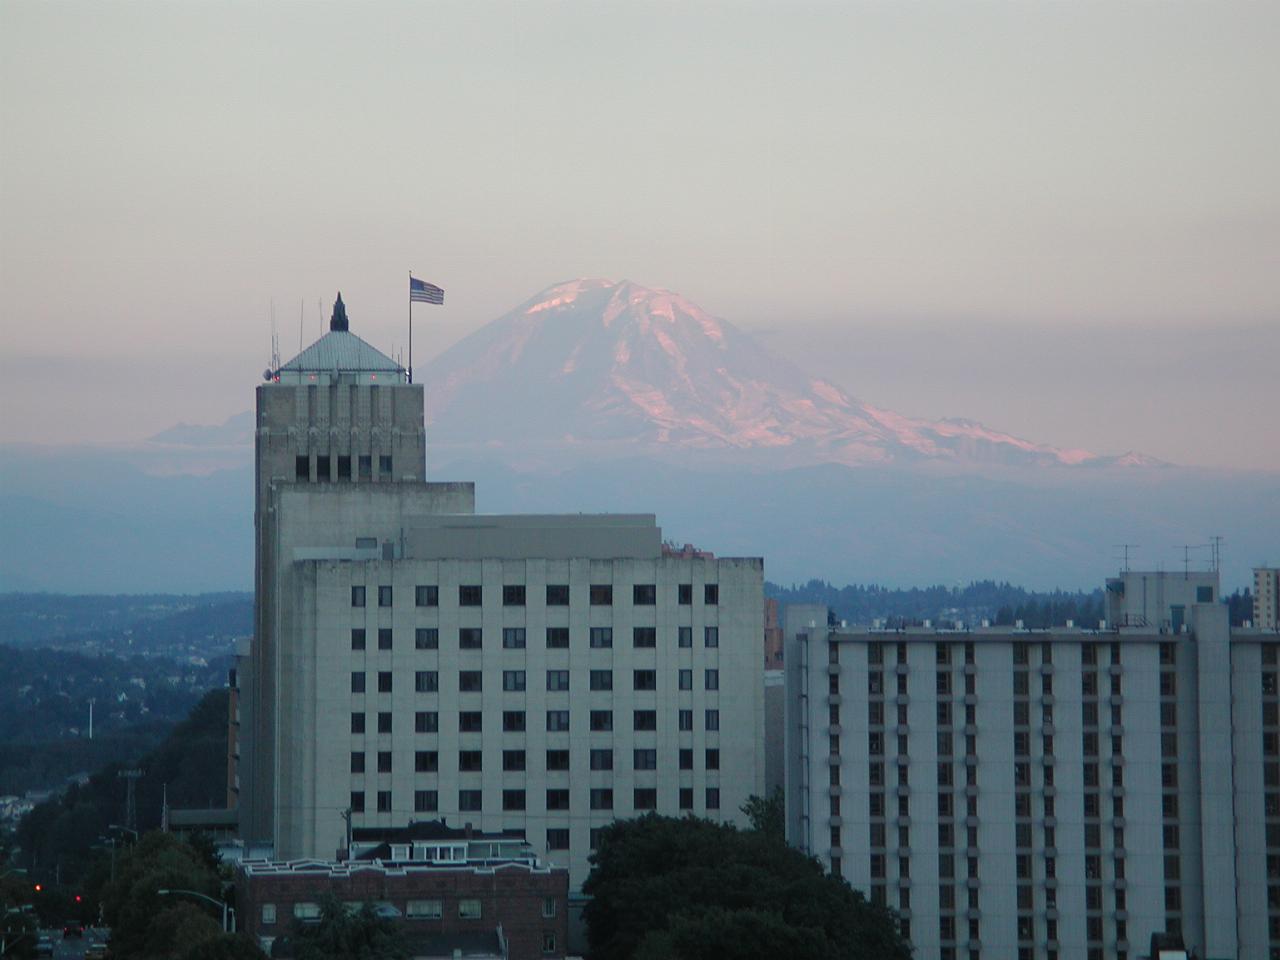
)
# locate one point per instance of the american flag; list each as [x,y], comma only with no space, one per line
[422,292]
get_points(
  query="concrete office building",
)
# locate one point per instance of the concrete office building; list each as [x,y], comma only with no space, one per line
[1047,794]
[1266,598]
[414,660]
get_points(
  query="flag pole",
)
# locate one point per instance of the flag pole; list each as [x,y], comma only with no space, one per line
[411,326]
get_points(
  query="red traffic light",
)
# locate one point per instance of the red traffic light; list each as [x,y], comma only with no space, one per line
[38,888]
[77,898]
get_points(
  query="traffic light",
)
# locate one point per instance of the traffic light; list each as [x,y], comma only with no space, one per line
[77,898]
[38,888]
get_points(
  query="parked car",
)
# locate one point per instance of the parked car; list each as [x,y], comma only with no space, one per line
[44,947]
[72,930]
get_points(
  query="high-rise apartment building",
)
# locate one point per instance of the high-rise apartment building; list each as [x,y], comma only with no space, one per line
[414,660]
[1266,598]
[1041,794]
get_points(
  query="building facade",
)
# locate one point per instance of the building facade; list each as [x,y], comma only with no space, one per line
[1047,794]
[1266,598]
[415,660]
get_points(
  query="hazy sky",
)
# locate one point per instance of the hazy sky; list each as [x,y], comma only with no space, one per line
[1061,219]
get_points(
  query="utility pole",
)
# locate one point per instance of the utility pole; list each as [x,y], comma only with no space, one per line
[130,777]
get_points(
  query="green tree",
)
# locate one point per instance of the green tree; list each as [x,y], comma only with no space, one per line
[698,889]
[344,934]
[768,815]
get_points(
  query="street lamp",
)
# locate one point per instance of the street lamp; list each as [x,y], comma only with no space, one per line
[116,826]
[226,909]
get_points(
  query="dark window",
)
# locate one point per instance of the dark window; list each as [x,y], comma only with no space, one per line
[686,798]
[512,799]
[601,637]
[602,799]
[557,594]
[644,680]
[426,801]
[557,759]
[713,798]
[645,720]
[470,721]
[685,679]
[357,639]
[601,679]
[426,721]
[357,596]
[685,593]
[470,638]
[711,594]
[513,760]
[301,469]
[470,596]
[644,594]
[601,759]
[711,679]
[357,681]
[426,761]
[426,681]
[601,720]
[558,721]
[513,680]
[470,761]
[384,761]
[513,721]
[644,798]
[384,722]
[426,596]
[557,680]
[711,636]
[1204,594]
[384,596]
[513,638]
[384,681]
[713,720]
[686,758]
[684,720]
[686,637]
[384,801]
[601,595]
[357,801]
[513,595]
[384,464]
[357,723]
[470,800]
[557,638]
[644,759]
[322,469]
[365,462]
[557,838]
[558,799]
[357,762]
[384,638]
[644,637]
[713,759]
[426,638]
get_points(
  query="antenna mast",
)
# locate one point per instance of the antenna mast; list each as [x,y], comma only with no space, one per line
[1215,542]
[1125,548]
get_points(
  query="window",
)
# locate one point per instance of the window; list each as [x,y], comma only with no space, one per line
[357,723]
[470,638]
[513,680]
[558,799]
[365,463]
[426,681]
[685,637]
[645,720]
[712,720]
[644,680]
[357,596]
[601,759]
[426,596]
[684,720]
[685,594]
[470,595]
[548,941]
[384,801]
[424,909]
[302,469]
[384,681]
[470,761]
[513,721]
[711,636]
[1204,594]
[470,681]
[513,760]
[601,595]
[426,638]
[686,798]
[644,759]
[357,639]
[557,638]
[601,680]
[644,594]
[426,721]
[513,595]
[644,637]
[644,798]
[384,761]
[322,468]
[686,679]
[470,721]
[513,638]
[357,681]
[469,909]
[384,465]
[601,721]
[470,800]
[557,838]
[713,759]
[557,721]
[557,594]
[602,799]
[512,799]
[558,679]
[557,759]
[711,679]
[357,762]
[713,798]
[357,801]
[549,909]
[268,913]
[384,596]
[306,911]
[601,637]
[426,761]
[711,594]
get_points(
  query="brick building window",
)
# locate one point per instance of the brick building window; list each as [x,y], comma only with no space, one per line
[469,909]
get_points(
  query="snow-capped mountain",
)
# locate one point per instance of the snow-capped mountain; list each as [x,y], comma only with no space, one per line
[610,367]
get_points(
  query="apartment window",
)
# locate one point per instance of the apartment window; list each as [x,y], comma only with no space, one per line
[645,720]
[384,596]
[644,798]
[357,801]
[426,761]
[384,801]
[684,720]
[470,595]
[357,723]
[268,913]
[875,683]
[601,721]
[944,684]
[686,758]
[711,594]
[713,798]
[365,464]
[357,681]
[558,680]
[601,595]
[601,799]
[557,838]
[513,595]
[601,759]
[557,638]
[426,721]
[384,681]
[513,761]
[470,638]
[424,909]
[426,638]
[357,762]
[712,720]
[469,909]
[601,679]
[357,639]
[711,679]
[644,594]
[644,759]
[713,759]
[644,680]
[601,637]
[513,681]
[644,637]
[684,594]
[384,761]
[686,679]
[557,759]
[686,798]
[711,636]
[470,681]
[357,596]
[557,721]
[557,594]
[426,681]
[513,721]
[426,596]
[513,638]
[1169,684]
[470,721]
[512,799]
[470,761]
[558,799]
[384,465]
[685,637]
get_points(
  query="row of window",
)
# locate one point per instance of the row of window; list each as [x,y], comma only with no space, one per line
[515,638]
[600,721]
[557,595]
[339,467]
[468,909]
[472,761]
[472,801]
[516,681]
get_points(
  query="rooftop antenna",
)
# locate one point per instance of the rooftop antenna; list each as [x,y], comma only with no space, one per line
[1216,543]
[1126,547]
[1186,556]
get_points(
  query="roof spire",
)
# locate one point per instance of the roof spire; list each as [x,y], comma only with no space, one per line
[339,319]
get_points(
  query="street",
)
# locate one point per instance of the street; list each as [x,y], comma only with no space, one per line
[73,948]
